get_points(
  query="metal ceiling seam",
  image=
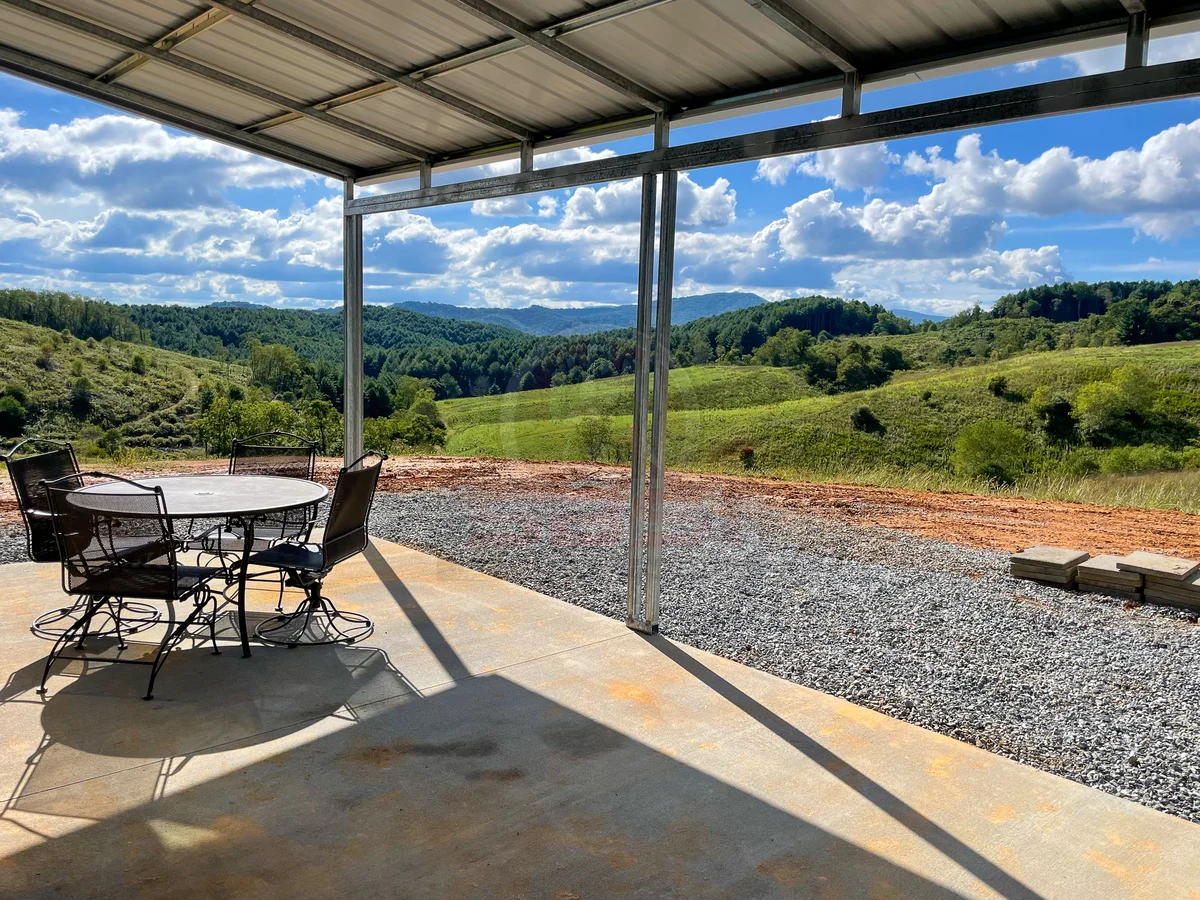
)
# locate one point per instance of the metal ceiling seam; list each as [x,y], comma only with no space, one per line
[168,41]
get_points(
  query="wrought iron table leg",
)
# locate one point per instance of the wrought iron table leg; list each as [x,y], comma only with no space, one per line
[247,548]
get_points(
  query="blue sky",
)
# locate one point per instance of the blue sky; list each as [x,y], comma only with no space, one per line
[116,207]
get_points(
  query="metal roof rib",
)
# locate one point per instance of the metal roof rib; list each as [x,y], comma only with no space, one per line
[804,29]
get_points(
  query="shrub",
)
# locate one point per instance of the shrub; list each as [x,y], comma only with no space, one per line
[593,435]
[528,382]
[12,417]
[926,396]
[77,367]
[137,365]
[746,454]
[558,379]
[991,450]
[1056,415]
[111,443]
[862,419]
[998,386]
[1145,458]
[81,398]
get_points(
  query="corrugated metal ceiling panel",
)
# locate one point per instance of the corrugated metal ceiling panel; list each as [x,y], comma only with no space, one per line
[194,93]
[290,68]
[420,121]
[686,51]
[145,19]
[533,88]
[699,48]
[335,144]
[50,41]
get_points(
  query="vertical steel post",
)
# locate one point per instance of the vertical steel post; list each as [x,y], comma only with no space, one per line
[852,94]
[641,390]
[662,367]
[352,311]
[1137,41]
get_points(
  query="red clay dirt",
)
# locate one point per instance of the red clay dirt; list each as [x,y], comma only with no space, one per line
[988,522]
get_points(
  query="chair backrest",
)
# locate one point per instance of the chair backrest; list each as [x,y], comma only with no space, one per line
[274,453]
[28,471]
[346,528]
[118,525]
[30,463]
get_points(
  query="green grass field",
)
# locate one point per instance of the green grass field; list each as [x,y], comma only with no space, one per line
[152,408]
[795,433]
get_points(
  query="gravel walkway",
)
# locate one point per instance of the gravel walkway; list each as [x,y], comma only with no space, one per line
[918,629]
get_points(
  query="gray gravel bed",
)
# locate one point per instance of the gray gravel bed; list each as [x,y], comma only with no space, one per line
[1075,684]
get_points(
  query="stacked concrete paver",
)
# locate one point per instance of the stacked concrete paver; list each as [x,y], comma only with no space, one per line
[1166,579]
[1102,575]
[1054,566]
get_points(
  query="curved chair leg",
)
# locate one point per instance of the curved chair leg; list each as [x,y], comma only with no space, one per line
[66,637]
[315,622]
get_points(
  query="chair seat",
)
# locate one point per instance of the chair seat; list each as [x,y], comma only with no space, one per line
[224,539]
[302,557]
[150,582]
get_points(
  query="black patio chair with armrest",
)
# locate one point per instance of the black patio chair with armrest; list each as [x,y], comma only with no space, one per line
[116,544]
[30,464]
[278,453]
[317,620]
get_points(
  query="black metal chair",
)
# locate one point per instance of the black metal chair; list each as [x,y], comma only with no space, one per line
[277,453]
[27,469]
[317,620]
[31,463]
[117,544]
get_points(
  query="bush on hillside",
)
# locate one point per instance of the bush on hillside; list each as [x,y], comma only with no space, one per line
[991,450]
[593,436]
[528,382]
[862,419]
[137,365]
[12,417]
[998,386]
[1110,412]
[1055,414]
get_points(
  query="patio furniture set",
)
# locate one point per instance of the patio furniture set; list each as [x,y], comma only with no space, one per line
[132,549]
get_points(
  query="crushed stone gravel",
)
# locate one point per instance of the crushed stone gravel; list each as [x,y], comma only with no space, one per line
[1081,685]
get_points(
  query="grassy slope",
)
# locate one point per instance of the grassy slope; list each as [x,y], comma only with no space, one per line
[811,435]
[151,409]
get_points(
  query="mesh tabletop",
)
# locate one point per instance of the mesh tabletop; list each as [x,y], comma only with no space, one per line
[215,496]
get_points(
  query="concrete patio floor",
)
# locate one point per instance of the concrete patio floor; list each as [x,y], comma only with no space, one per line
[491,742]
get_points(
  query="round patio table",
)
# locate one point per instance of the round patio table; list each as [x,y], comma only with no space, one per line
[240,498]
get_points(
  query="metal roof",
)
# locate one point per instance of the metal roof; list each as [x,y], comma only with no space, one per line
[372,89]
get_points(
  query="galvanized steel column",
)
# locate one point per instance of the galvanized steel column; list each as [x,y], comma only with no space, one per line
[641,389]
[352,311]
[662,367]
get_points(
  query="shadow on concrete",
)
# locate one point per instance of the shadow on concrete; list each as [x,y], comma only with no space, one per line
[425,628]
[96,725]
[994,877]
[482,790]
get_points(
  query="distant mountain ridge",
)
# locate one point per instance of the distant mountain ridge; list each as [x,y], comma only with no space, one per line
[546,320]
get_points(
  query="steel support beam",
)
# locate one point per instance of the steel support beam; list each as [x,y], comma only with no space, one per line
[851,94]
[635,616]
[1137,41]
[658,425]
[807,32]
[169,41]
[552,47]
[351,57]
[352,330]
[1140,85]
[82,84]
[164,57]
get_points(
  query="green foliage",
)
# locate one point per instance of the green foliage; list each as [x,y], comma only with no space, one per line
[137,365]
[998,385]
[991,450]
[529,383]
[1110,411]
[1055,414]
[594,437]
[275,367]
[111,443]
[81,398]
[862,419]
[12,417]
[746,455]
